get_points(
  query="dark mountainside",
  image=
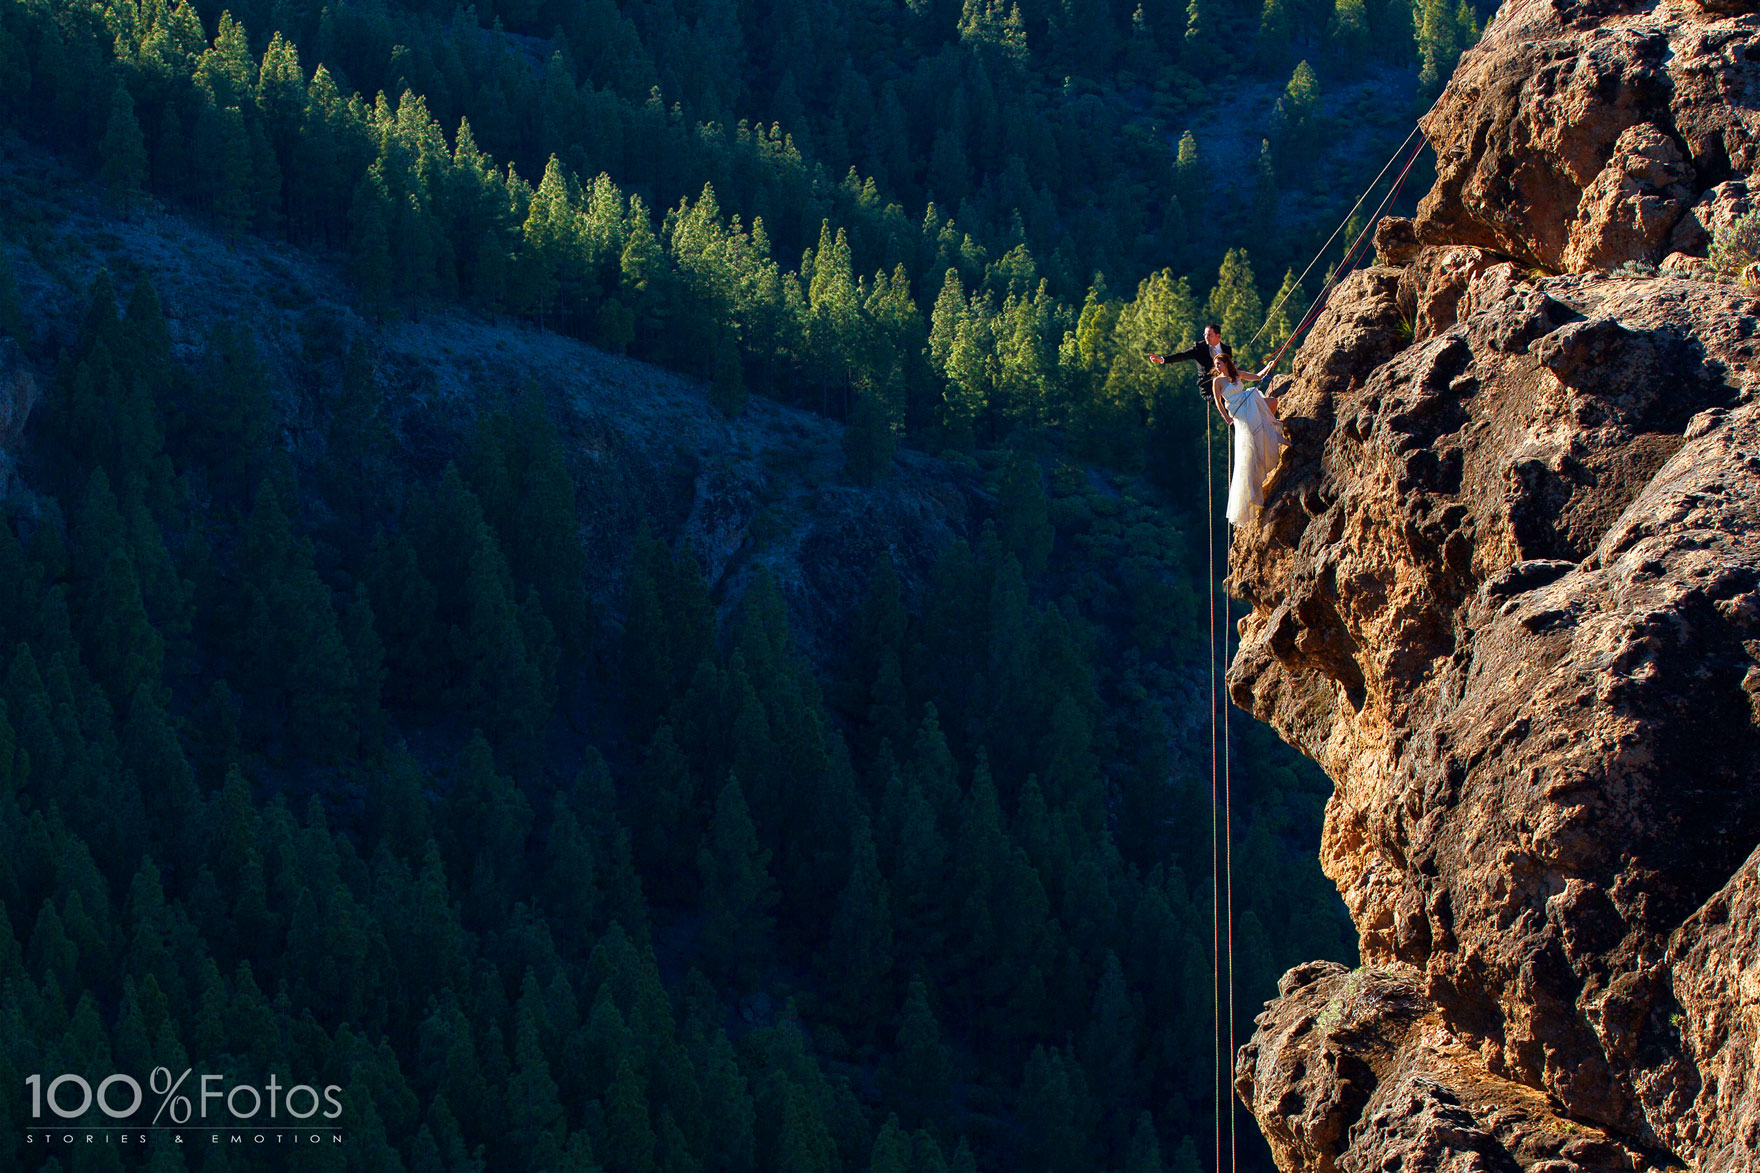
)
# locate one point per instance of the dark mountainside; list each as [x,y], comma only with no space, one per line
[836,826]
[610,577]
[1507,592]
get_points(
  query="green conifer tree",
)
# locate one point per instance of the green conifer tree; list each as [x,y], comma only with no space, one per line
[738,894]
[1145,1150]
[868,441]
[1272,44]
[859,953]
[123,151]
[1234,305]
[1347,33]
[294,644]
[921,1074]
[229,150]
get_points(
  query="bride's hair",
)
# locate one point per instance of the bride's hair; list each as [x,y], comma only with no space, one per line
[1226,362]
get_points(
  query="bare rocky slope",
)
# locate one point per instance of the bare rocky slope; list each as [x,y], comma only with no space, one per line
[1506,591]
[764,490]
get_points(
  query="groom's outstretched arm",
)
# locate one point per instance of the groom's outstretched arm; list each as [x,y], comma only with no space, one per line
[1197,354]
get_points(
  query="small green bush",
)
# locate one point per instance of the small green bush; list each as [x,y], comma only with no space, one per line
[1736,245]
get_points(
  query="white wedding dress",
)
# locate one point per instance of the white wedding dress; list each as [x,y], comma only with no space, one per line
[1258,442]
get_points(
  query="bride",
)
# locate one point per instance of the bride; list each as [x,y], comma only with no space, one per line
[1258,438]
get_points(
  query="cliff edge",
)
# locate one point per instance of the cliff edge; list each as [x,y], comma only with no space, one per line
[1506,590]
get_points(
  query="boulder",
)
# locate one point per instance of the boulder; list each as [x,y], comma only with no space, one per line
[1571,135]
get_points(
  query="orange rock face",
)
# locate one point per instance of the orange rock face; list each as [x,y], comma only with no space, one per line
[1577,134]
[1506,590]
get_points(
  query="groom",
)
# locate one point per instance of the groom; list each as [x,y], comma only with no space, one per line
[1203,353]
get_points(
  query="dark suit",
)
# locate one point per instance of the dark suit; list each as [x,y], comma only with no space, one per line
[1200,354]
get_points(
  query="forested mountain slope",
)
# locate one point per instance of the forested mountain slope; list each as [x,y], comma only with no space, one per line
[792,196]
[792,758]
[578,776]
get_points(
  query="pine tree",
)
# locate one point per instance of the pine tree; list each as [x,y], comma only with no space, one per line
[1439,43]
[371,215]
[224,418]
[1347,33]
[405,604]
[642,266]
[357,446]
[503,685]
[892,1149]
[1024,514]
[1053,1112]
[1271,46]
[1190,182]
[486,821]
[859,953]
[649,673]
[1145,1151]
[537,1126]
[919,857]
[1200,33]
[229,148]
[123,151]
[1109,1050]
[728,1111]
[1234,305]
[1289,307]
[539,527]
[868,441]
[1265,193]
[921,1074]
[738,894]
[126,652]
[949,175]
[366,653]
[665,819]
[1294,130]
[292,637]
[629,1134]
[727,386]
[266,196]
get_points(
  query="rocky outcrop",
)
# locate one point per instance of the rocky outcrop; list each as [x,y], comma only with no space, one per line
[1579,132]
[1506,590]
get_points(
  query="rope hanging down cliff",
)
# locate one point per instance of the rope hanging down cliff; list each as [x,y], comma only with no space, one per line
[1221,821]
[1220,1086]
[1222,812]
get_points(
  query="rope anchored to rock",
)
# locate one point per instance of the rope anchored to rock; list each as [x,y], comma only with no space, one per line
[1351,254]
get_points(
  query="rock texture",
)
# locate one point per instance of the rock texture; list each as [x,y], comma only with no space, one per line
[1506,590]
[1578,133]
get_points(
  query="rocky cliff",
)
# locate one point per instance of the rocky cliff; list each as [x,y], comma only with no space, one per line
[1506,590]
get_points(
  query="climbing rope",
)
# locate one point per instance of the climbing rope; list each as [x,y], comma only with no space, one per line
[1350,256]
[1228,824]
[1221,812]
[1342,224]
[1216,1085]
[1221,764]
